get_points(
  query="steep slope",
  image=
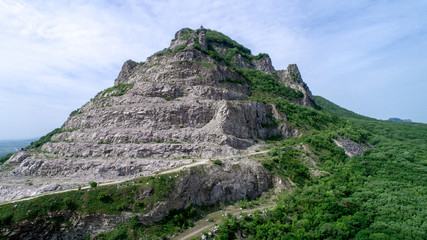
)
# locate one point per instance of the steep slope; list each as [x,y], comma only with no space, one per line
[194,99]
[332,107]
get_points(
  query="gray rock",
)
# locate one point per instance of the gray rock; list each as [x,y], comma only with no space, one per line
[201,185]
[178,104]
[351,148]
[291,77]
[126,72]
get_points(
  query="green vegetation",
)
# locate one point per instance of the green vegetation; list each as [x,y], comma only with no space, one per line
[37,144]
[381,195]
[186,33]
[287,163]
[93,184]
[102,141]
[378,196]
[261,56]
[205,64]
[164,52]
[174,221]
[179,48]
[264,85]
[117,90]
[4,158]
[332,107]
[219,38]
[232,47]
[101,199]
[217,162]
[76,112]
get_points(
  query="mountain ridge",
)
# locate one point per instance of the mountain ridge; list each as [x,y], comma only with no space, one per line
[204,96]
[204,102]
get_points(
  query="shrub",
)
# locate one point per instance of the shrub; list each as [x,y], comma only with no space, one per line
[69,204]
[217,162]
[37,144]
[93,184]
[121,207]
[114,91]
[104,197]
[180,48]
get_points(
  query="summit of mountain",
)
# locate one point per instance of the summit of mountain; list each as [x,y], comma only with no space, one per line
[204,96]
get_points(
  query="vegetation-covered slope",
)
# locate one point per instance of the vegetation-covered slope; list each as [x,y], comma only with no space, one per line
[381,195]
[332,107]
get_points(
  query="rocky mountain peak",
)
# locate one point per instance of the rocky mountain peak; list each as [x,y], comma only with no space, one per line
[126,72]
[198,98]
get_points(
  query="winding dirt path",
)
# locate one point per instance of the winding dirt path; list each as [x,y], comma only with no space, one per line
[177,169]
[204,225]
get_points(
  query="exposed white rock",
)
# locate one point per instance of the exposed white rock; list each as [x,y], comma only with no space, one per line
[351,148]
[178,104]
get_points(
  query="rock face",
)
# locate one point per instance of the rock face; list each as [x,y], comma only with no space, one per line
[291,77]
[180,103]
[351,148]
[201,185]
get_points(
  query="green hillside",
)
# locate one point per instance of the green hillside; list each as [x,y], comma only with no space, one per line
[332,107]
[382,195]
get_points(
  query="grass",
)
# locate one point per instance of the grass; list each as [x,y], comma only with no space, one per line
[112,199]
[377,196]
[263,84]
[38,144]
[6,157]
[115,91]
[217,162]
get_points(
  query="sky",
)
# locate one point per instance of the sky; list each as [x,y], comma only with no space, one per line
[367,56]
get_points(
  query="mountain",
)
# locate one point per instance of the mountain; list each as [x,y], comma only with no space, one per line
[204,97]
[195,99]
[205,140]
[332,107]
[399,120]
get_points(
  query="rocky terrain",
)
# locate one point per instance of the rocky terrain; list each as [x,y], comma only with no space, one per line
[188,101]
[201,108]
[202,185]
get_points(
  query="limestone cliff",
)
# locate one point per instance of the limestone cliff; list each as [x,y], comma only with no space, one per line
[189,100]
[200,186]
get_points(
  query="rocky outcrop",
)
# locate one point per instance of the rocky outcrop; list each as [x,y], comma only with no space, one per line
[38,176]
[126,72]
[201,186]
[351,148]
[213,184]
[64,225]
[182,102]
[291,77]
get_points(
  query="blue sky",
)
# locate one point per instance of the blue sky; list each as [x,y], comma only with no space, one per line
[367,56]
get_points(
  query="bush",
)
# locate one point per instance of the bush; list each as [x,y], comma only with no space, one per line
[104,197]
[121,207]
[69,204]
[114,91]
[93,184]
[37,144]
[217,162]
[263,84]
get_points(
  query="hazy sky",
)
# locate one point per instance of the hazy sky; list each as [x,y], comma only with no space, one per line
[367,56]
